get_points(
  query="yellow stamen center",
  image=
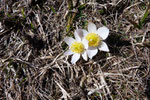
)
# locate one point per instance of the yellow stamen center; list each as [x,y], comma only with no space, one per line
[77,47]
[93,39]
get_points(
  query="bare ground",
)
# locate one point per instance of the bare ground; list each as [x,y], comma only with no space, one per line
[32,65]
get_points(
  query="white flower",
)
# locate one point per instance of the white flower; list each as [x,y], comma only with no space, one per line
[77,47]
[95,39]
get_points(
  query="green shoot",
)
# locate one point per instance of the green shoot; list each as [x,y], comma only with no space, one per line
[53,9]
[23,13]
[142,21]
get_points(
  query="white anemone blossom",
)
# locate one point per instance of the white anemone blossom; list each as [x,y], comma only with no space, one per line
[77,47]
[95,39]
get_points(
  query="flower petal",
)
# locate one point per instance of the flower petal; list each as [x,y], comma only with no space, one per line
[69,40]
[92,53]
[85,43]
[91,27]
[84,32]
[78,34]
[68,52]
[103,32]
[75,58]
[84,55]
[103,47]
